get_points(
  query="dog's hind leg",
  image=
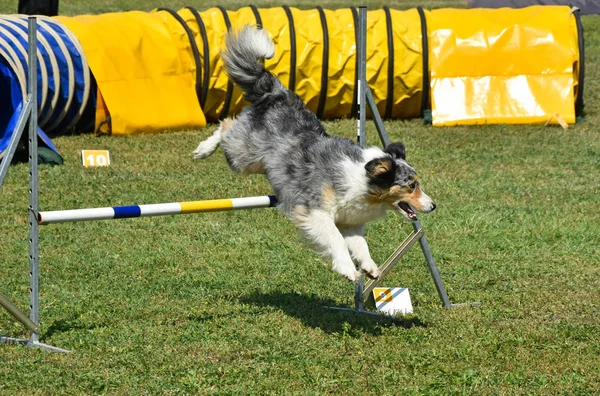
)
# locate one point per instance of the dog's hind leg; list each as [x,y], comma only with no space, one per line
[210,145]
[321,232]
[357,245]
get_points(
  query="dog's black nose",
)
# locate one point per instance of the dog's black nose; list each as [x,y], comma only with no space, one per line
[433,206]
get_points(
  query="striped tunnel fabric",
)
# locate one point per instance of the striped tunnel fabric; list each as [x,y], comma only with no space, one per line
[164,209]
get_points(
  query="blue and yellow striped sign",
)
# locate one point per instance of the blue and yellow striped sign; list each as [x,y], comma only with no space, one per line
[392,300]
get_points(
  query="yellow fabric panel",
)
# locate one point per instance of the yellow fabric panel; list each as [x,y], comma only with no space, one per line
[309,52]
[309,56]
[275,22]
[486,65]
[144,69]
[341,73]
[502,66]
[377,57]
[215,32]
[408,63]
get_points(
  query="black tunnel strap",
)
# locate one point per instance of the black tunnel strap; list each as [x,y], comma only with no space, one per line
[206,54]
[256,13]
[292,29]
[579,105]
[353,110]
[195,52]
[389,102]
[229,93]
[425,45]
[325,64]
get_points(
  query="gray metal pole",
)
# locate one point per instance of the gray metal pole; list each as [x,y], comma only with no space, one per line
[17,314]
[33,193]
[361,81]
[24,117]
[33,182]
[435,274]
[383,136]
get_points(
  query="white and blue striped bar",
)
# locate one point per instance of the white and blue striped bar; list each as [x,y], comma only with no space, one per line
[127,212]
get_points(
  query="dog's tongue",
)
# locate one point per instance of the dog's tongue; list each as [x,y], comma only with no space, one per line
[406,207]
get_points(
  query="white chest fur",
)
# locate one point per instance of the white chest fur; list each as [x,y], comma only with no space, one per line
[353,207]
[357,214]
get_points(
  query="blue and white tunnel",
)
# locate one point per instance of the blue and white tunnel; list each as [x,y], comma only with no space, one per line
[65,86]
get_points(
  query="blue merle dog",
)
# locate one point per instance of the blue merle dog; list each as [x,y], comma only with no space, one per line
[328,186]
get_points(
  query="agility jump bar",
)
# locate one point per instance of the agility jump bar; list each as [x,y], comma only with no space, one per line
[164,209]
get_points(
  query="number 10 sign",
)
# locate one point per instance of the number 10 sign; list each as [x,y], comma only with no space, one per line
[92,158]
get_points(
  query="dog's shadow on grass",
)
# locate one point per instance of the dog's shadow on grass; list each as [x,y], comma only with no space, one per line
[313,312]
[69,324]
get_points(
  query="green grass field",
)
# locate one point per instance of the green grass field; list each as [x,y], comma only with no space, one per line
[232,302]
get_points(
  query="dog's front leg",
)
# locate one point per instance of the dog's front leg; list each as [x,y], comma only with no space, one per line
[355,240]
[320,230]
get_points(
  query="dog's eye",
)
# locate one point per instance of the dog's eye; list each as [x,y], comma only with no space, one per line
[412,185]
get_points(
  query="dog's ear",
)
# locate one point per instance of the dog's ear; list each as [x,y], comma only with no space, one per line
[381,171]
[396,150]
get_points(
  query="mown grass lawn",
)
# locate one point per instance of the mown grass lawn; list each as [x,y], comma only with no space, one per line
[232,302]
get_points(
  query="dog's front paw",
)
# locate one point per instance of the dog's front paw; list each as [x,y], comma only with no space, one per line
[371,270]
[373,274]
[355,276]
[351,274]
[346,268]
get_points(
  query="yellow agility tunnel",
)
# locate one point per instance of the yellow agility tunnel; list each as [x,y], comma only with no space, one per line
[161,70]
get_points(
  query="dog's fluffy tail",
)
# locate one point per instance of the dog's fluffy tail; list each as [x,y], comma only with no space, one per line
[242,58]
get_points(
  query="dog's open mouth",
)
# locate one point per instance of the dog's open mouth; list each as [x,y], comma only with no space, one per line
[410,213]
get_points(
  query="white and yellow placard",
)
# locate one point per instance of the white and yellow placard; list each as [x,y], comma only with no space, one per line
[392,300]
[92,158]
